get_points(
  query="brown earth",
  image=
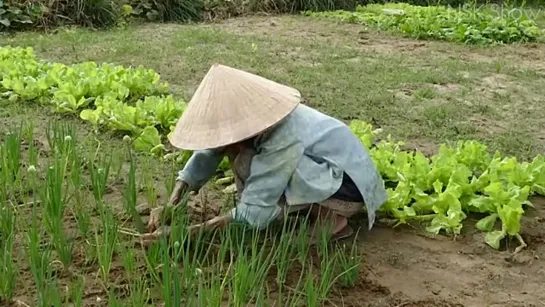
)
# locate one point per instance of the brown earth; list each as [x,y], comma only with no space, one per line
[461,272]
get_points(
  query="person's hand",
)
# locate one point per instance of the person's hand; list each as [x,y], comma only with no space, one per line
[155,218]
[217,222]
[179,190]
[157,213]
[149,238]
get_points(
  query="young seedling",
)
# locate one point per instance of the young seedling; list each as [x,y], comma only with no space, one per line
[295,296]
[39,258]
[79,210]
[99,176]
[27,131]
[242,282]
[77,291]
[53,297]
[285,252]
[324,234]
[8,270]
[303,243]
[83,219]
[152,258]
[170,181]
[211,288]
[297,293]
[328,264]
[139,292]
[106,243]
[10,166]
[117,165]
[187,249]
[113,300]
[32,151]
[168,289]
[149,185]
[190,251]
[311,290]
[63,142]
[138,286]
[263,297]
[54,204]
[62,139]
[128,256]
[131,196]
[177,286]
[251,270]
[350,265]
[213,281]
[91,255]
[75,167]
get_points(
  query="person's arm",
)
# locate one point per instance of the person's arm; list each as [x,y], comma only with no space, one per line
[270,173]
[200,167]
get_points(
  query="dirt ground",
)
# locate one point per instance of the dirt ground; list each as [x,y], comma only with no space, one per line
[414,269]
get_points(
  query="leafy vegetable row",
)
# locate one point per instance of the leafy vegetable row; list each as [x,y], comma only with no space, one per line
[132,101]
[443,189]
[466,25]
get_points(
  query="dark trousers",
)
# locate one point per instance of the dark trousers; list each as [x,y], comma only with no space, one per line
[348,191]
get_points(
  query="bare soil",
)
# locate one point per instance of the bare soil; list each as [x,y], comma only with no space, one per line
[460,272]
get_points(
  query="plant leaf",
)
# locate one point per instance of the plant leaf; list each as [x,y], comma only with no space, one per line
[90,115]
[494,238]
[5,22]
[148,140]
[487,223]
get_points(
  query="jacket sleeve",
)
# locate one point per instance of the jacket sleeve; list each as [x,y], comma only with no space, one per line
[270,173]
[200,168]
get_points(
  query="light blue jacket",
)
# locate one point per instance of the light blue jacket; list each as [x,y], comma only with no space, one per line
[304,158]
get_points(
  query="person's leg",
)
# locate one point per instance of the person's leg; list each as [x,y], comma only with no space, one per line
[332,214]
[326,217]
[328,220]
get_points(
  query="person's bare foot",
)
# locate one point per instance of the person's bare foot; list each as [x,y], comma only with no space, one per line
[340,223]
[330,222]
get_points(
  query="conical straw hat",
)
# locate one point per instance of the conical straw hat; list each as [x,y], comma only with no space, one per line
[230,106]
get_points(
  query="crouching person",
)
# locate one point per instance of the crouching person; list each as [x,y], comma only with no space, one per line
[285,156]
